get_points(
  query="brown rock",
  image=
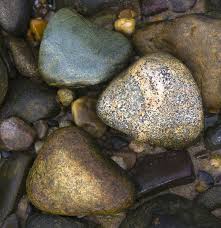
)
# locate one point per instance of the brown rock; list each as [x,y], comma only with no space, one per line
[196,40]
[15,134]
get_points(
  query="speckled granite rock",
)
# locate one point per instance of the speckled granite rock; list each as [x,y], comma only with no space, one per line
[71,177]
[29,101]
[200,53]
[3,81]
[156,101]
[84,55]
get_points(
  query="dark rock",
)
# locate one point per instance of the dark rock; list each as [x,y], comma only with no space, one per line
[3,81]
[204,181]
[213,138]
[180,6]
[186,212]
[13,173]
[92,54]
[50,221]
[213,5]
[24,58]
[41,128]
[16,135]
[162,170]
[15,15]
[11,222]
[150,7]
[29,101]
[211,119]
[211,199]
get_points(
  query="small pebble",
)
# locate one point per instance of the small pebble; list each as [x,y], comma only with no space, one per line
[65,96]
[204,181]
[127,13]
[137,147]
[41,128]
[38,146]
[215,160]
[37,27]
[125,25]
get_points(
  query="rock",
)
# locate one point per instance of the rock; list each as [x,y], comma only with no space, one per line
[213,138]
[156,101]
[211,120]
[24,58]
[163,170]
[84,115]
[88,183]
[38,146]
[65,96]
[210,198]
[15,15]
[213,5]
[41,128]
[29,101]
[180,6]
[3,81]
[11,222]
[16,135]
[13,172]
[92,54]
[202,56]
[37,27]
[204,181]
[170,209]
[125,25]
[50,221]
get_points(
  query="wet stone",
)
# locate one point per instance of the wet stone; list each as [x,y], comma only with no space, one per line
[213,138]
[163,170]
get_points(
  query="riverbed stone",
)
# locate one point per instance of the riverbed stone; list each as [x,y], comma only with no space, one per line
[3,81]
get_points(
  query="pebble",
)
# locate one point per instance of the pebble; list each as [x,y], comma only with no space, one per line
[65,97]
[15,15]
[204,181]
[38,146]
[16,135]
[41,128]
[163,170]
[11,222]
[201,56]
[213,138]
[84,115]
[3,81]
[155,101]
[79,180]
[83,64]
[29,101]
[125,25]
[137,147]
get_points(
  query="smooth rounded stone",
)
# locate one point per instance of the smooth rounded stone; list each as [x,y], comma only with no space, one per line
[211,198]
[204,181]
[175,208]
[84,115]
[11,222]
[15,15]
[16,135]
[30,101]
[13,171]
[125,25]
[213,138]
[71,177]
[92,54]
[51,221]
[202,56]
[65,96]
[24,58]
[41,127]
[156,101]
[126,160]
[3,81]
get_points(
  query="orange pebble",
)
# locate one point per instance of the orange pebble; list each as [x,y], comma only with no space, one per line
[37,27]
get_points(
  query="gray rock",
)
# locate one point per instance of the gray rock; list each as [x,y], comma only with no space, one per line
[11,222]
[15,15]
[13,171]
[29,101]
[3,81]
[50,221]
[83,55]
[156,101]
[15,134]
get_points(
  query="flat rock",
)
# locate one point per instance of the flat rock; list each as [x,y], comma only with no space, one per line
[84,55]
[71,177]
[156,101]
[3,81]
[13,171]
[15,15]
[200,53]
[30,101]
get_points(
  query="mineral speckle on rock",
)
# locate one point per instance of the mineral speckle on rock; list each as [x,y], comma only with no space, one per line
[156,101]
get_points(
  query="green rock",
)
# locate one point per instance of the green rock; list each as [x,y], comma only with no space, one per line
[74,52]
[13,171]
[30,101]
[185,211]
[71,177]
[3,81]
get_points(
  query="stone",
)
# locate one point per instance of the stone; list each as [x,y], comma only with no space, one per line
[150,7]
[50,221]
[3,81]
[16,135]
[41,127]
[29,101]
[71,177]
[11,222]
[37,27]
[170,209]
[38,146]
[92,54]
[202,56]
[155,101]
[163,170]
[24,58]
[125,25]
[213,138]
[15,15]
[65,96]
[125,159]
[13,171]
[180,6]
[84,115]
[210,198]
